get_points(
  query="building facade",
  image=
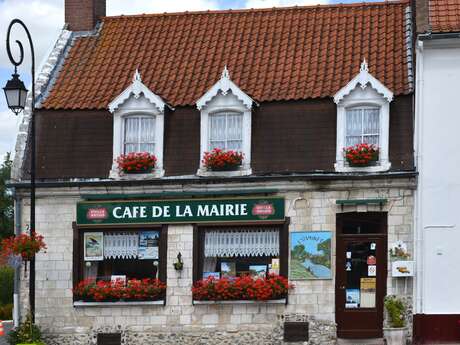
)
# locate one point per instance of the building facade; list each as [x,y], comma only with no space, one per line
[438,72]
[260,82]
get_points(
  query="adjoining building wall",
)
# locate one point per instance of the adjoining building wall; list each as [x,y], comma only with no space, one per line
[438,191]
[309,205]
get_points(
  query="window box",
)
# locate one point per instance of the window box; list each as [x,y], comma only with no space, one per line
[118,303]
[272,301]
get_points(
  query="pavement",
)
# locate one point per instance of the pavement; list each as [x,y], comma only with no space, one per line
[7,326]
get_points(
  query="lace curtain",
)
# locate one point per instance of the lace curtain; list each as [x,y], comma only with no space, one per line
[226,130]
[362,126]
[241,243]
[121,245]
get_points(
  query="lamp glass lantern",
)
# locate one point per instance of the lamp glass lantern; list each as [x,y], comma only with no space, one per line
[16,94]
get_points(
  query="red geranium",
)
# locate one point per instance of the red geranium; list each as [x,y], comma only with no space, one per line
[139,290]
[136,162]
[241,288]
[219,159]
[24,245]
[361,154]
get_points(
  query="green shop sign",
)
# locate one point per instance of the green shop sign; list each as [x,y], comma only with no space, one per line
[179,211]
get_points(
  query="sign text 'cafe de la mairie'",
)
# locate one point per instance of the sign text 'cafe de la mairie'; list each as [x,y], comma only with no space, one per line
[179,211]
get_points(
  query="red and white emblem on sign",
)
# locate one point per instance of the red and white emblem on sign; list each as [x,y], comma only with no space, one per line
[371,260]
[263,210]
[97,213]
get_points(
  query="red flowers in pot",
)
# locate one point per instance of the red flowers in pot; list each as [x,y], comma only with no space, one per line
[136,162]
[24,245]
[241,288]
[134,290]
[221,160]
[361,154]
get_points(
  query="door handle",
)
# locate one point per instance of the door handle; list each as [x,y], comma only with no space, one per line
[342,287]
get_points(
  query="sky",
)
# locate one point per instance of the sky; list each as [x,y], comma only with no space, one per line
[45,18]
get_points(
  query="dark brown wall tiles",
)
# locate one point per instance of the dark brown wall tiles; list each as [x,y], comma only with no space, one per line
[290,136]
[74,144]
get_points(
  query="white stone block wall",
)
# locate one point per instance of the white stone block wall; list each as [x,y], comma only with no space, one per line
[308,207]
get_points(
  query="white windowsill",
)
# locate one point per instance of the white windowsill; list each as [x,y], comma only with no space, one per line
[273,301]
[240,172]
[342,167]
[156,173]
[116,304]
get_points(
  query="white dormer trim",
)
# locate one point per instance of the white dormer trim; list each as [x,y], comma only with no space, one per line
[357,94]
[136,89]
[137,100]
[222,97]
[223,86]
[363,79]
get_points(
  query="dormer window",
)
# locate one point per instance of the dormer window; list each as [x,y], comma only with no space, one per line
[363,125]
[363,117]
[139,134]
[226,131]
[138,124]
[226,124]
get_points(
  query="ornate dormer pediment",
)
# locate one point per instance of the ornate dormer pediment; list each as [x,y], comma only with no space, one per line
[223,86]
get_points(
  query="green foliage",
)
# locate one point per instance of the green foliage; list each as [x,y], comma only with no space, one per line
[396,311]
[6,200]
[6,312]
[6,285]
[25,333]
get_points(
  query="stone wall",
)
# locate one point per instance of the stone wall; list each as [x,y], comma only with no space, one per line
[310,206]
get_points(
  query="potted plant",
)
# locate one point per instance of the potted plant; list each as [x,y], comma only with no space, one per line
[136,163]
[241,288]
[361,155]
[22,247]
[27,333]
[221,160]
[395,334]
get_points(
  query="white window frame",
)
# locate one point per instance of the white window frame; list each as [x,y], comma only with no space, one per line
[225,96]
[363,91]
[137,100]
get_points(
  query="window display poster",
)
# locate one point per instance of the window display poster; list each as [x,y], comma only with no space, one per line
[352,298]
[228,269]
[274,268]
[310,255]
[368,288]
[258,271]
[215,275]
[148,245]
[93,246]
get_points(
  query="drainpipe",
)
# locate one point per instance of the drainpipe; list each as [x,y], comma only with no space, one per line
[418,216]
[17,271]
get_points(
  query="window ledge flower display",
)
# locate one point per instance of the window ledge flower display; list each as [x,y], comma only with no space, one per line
[244,288]
[221,160]
[361,155]
[24,245]
[106,291]
[136,163]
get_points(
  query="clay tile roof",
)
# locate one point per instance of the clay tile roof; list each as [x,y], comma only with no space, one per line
[445,15]
[272,54]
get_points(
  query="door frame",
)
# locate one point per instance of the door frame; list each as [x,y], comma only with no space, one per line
[382,271]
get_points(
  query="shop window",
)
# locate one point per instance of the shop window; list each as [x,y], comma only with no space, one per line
[121,256]
[226,115]
[363,117]
[229,252]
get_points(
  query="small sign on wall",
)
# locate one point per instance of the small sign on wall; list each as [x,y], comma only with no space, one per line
[402,269]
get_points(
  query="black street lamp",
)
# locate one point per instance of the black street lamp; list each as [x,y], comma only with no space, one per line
[16,95]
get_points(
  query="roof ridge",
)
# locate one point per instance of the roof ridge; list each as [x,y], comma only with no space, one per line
[265,9]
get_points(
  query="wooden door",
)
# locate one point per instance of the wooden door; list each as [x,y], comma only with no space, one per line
[361,273]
